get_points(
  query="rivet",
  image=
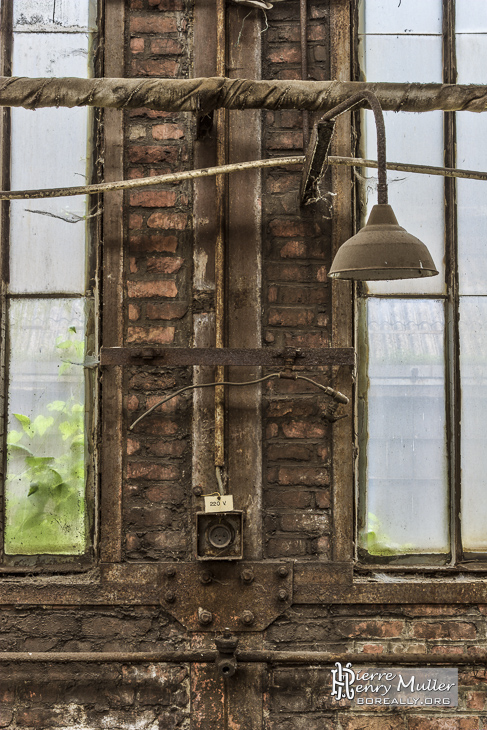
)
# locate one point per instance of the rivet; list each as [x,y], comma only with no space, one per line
[247,618]
[283,571]
[283,595]
[205,617]
[247,575]
[197,491]
[170,572]
[206,577]
[170,597]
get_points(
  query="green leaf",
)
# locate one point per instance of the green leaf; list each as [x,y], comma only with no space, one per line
[72,329]
[64,368]
[38,461]
[68,428]
[25,423]
[14,448]
[13,437]
[56,405]
[33,489]
[41,424]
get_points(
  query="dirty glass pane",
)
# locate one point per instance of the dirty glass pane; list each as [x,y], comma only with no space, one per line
[397,58]
[49,148]
[472,154]
[407,16]
[471,16]
[45,486]
[404,427]
[53,15]
[417,200]
[473,368]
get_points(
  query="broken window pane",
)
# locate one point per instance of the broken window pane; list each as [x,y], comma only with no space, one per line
[45,487]
[403,424]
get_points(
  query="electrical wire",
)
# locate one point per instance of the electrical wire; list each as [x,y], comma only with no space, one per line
[340,397]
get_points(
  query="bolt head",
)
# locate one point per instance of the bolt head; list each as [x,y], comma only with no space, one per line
[170,572]
[197,491]
[170,597]
[283,571]
[206,577]
[247,618]
[247,575]
[205,617]
[283,595]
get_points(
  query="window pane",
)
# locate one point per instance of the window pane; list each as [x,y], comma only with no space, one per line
[53,15]
[407,16]
[471,16]
[473,368]
[396,58]
[417,200]
[45,488]
[49,149]
[406,491]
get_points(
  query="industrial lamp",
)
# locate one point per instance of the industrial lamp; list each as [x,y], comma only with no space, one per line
[382,249]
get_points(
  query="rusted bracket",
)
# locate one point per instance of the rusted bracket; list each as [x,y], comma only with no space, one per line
[236,596]
[267,357]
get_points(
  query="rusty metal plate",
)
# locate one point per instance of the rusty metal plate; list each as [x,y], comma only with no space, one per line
[243,596]
[269,357]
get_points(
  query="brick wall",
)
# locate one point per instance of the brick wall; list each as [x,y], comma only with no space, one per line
[297,516]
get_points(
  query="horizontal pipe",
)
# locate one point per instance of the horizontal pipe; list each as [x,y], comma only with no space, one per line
[247,657]
[203,95]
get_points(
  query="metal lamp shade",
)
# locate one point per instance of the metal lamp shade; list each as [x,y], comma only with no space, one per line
[382,250]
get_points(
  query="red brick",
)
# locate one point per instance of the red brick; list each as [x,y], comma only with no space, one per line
[310,339]
[152,335]
[132,542]
[420,722]
[309,476]
[152,154]
[132,446]
[154,288]
[134,312]
[166,47]
[305,522]
[436,610]
[372,649]
[169,5]
[167,131]
[283,227]
[285,547]
[164,264]
[146,470]
[272,294]
[153,242]
[167,448]
[323,499]
[285,141]
[475,700]
[454,630]
[151,382]
[153,199]
[357,628]
[158,426]
[137,45]
[167,540]
[169,407]
[135,220]
[178,221]
[283,184]
[303,429]
[447,649]
[153,24]
[294,250]
[132,402]
[272,430]
[287,499]
[285,54]
[290,317]
[166,310]
[284,407]
[152,517]
[133,268]
[317,32]
[164,68]
[288,272]
[173,493]
[294,452]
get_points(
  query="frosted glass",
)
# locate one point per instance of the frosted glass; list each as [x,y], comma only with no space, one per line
[471,16]
[49,148]
[471,59]
[473,368]
[401,58]
[472,205]
[406,479]
[45,487]
[407,16]
[54,15]
[417,200]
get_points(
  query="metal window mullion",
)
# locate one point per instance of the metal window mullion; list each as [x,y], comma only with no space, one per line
[452,353]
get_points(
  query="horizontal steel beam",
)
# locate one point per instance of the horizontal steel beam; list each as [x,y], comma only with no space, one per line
[245,657]
[201,95]
[267,357]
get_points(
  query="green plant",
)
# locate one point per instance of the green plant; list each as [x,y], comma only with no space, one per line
[46,472]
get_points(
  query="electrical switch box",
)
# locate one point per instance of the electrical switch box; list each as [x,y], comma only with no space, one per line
[219,535]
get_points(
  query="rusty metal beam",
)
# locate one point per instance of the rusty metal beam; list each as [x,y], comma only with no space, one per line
[204,94]
[267,357]
[245,657]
